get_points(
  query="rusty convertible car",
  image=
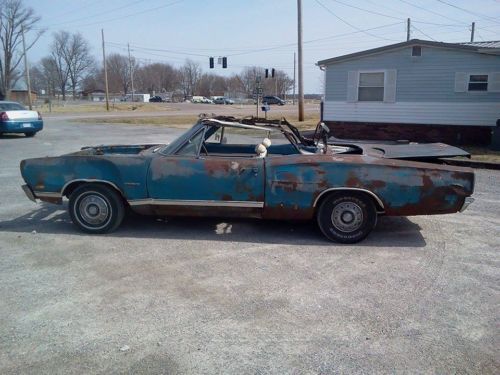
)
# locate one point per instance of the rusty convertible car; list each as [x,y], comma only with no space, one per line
[219,168]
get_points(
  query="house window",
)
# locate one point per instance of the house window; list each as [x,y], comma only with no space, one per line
[478,82]
[416,51]
[371,87]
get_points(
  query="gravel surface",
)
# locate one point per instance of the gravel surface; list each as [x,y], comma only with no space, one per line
[420,295]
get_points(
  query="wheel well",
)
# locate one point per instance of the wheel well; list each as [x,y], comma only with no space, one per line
[324,195]
[70,188]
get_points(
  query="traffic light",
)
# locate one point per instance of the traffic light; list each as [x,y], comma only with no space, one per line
[211,60]
[224,62]
[267,73]
[272,72]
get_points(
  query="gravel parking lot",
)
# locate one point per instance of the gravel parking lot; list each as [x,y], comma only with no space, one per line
[420,295]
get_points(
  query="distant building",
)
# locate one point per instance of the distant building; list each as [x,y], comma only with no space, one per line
[416,90]
[20,94]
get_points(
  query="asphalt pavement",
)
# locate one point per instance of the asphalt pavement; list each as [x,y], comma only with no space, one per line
[174,295]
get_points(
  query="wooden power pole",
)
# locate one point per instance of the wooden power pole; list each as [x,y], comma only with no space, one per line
[473,28]
[105,71]
[131,71]
[408,29]
[300,65]
[27,69]
[294,75]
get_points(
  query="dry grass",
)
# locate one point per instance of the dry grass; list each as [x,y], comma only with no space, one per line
[483,154]
[101,107]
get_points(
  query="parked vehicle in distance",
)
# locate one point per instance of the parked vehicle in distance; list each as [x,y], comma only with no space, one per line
[269,99]
[201,99]
[223,100]
[15,118]
[156,99]
[214,169]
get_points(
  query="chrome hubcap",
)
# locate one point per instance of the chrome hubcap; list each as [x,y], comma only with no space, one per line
[347,217]
[94,209]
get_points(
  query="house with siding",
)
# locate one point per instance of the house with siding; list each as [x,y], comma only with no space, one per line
[416,90]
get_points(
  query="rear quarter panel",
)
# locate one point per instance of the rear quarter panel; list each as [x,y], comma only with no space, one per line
[51,174]
[405,188]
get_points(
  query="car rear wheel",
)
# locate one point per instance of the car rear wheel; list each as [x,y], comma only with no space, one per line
[347,217]
[30,134]
[96,208]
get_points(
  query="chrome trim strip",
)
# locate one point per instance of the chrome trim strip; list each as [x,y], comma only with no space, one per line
[199,203]
[87,180]
[47,194]
[467,202]
[379,201]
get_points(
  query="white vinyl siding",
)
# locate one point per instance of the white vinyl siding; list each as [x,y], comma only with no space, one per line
[436,113]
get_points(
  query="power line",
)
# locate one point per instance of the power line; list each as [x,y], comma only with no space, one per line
[431,11]
[350,24]
[367,10]
[421,32]
[97,14]
[468,11]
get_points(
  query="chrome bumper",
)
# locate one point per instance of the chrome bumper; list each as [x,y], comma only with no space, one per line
[29,193]
[467,201]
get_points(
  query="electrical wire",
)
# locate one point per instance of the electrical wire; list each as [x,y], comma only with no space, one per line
[350,24]
[421,32]
[469,11]
[97,14]
[366,10]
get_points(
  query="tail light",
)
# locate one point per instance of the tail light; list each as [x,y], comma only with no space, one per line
[4,116]
[39,115]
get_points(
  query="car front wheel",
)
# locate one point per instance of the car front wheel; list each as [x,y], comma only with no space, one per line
[96,208]
[347,217]
[30,134]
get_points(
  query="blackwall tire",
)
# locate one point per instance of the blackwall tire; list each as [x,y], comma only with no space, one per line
[347,217]
[96,208]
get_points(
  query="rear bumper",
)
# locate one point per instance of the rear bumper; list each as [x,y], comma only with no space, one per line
[21,126]
[467,202]
[50,197]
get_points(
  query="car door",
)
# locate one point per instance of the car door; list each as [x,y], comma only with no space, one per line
[189,183]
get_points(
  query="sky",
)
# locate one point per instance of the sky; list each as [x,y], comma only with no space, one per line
[259,32]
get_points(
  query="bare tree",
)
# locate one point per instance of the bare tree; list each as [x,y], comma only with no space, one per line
[211,84]
[48,67]
[158,77]
[58,52]
[190,75]
[14,16]
[79,60]
[119,72]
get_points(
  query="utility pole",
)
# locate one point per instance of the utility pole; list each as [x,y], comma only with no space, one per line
[27,69]
[472,31]
[105,71]
[131,71]
[408,29]
[301,80]
[294,63]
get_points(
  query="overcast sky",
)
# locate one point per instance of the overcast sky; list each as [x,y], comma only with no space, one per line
[260,32]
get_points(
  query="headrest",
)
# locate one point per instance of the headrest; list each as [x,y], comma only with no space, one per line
[266,142]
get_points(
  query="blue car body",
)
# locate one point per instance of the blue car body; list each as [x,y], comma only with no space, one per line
[194,177]
[14,118]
